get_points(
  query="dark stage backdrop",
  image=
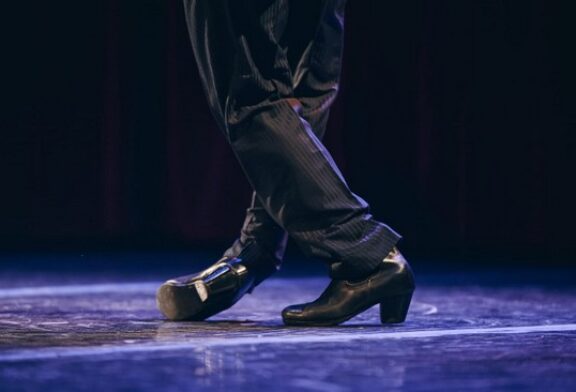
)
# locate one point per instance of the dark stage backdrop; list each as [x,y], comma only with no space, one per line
[456,122]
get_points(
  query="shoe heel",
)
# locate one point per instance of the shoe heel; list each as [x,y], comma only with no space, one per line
[394,309]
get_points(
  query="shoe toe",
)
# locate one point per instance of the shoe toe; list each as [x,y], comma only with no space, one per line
[293,311]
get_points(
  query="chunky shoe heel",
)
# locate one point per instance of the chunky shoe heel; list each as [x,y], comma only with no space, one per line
[394,309]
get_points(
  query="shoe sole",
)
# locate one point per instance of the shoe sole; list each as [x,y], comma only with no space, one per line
[181,302]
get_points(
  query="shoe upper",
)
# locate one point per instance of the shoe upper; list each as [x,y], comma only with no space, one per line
[261,260]
[226,275]
[392,278]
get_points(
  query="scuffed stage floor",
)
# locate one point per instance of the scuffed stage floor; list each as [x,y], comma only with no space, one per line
[97,329]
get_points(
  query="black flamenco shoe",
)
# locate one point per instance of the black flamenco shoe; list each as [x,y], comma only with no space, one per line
[391,286]
[199,296]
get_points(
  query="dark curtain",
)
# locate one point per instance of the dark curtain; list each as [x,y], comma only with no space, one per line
[455,122]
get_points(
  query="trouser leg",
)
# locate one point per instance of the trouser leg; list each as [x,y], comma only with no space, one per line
[241,48]
[316,64]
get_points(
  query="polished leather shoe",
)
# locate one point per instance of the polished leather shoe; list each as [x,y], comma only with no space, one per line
[199,296]
[391,285]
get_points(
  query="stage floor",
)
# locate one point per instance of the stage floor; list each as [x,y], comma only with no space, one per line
[74,326]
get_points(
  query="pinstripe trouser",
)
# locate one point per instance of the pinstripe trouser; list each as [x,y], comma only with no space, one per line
[270,70]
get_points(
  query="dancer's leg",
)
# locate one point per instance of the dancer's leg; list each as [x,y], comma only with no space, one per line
[316,65]
[273,112]
[250,86]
